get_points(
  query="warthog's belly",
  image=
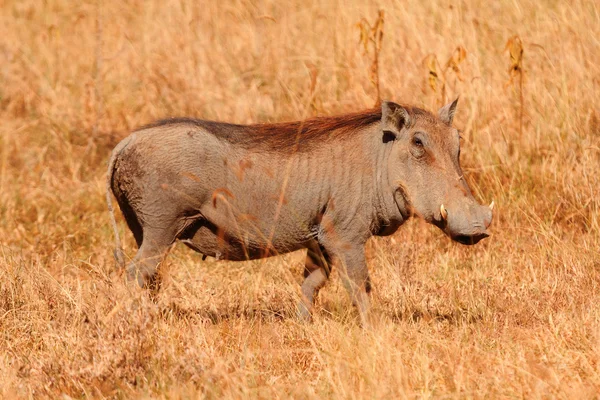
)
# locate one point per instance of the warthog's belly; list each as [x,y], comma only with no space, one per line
[213,242]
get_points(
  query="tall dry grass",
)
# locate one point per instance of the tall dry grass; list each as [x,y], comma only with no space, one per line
[515,316]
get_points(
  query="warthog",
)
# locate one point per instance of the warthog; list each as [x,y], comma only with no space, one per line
[237,192]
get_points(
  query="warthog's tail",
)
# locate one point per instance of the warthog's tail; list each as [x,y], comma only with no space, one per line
[118,250]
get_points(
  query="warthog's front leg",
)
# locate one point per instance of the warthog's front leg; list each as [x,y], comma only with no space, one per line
[347,252]
[355,277]
[316,272]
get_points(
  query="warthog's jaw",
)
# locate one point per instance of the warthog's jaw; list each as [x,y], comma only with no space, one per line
[403,203]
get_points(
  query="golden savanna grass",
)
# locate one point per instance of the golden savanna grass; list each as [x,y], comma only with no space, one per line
[516,316]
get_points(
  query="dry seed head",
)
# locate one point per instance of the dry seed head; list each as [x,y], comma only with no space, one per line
[434,75]
[458,56]
[373,35]
[514,46]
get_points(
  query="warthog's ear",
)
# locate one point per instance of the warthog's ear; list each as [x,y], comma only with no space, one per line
[393,118]
[446,113]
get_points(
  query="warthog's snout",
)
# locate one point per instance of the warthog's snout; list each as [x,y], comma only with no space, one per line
[466,227]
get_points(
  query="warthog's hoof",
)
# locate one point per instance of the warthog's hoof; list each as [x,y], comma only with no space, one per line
[304,313]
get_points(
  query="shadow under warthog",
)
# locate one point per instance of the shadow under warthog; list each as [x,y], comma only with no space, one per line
[456,317]
[215,316]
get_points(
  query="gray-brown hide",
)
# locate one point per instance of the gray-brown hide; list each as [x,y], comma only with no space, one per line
[328,184]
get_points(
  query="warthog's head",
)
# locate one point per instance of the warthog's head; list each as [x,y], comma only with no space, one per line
[424,170]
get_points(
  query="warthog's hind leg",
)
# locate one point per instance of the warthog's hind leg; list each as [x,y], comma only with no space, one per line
[154,248]
[316,272]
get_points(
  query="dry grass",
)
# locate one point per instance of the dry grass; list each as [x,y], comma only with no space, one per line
[515,316]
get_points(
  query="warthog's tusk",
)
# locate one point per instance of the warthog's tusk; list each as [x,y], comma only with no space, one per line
[492,205]
[443,212]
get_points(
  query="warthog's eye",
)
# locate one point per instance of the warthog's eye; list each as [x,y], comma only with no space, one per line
[418,147]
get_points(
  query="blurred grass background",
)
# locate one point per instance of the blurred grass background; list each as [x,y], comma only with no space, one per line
[515,316]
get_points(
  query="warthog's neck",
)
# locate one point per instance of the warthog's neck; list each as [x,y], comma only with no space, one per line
[388,216]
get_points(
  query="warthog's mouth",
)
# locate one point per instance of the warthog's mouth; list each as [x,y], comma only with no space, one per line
[470,239]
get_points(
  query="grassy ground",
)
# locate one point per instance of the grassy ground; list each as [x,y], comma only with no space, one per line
[515,316]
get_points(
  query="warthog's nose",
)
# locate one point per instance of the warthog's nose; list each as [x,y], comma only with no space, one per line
[468,229]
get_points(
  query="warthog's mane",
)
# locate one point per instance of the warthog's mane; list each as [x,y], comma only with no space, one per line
[289,136]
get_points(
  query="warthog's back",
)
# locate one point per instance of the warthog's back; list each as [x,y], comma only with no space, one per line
[253,199]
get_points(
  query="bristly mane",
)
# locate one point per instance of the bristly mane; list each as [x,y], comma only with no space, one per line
[286,136]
